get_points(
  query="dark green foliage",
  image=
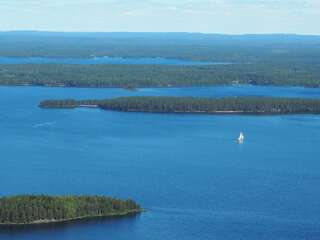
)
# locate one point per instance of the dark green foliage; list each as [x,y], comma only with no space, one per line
[196,105]
[132,76]
[259,59]
[34,209]
[195,46]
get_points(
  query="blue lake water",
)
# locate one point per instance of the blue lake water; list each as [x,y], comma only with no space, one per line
[187,170]
[103,60]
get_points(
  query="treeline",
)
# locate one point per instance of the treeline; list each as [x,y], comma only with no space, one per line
[238,105]
[43,209]
[133,76]
[194,46]
[259,59]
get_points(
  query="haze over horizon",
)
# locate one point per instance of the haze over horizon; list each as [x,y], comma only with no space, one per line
[205,16]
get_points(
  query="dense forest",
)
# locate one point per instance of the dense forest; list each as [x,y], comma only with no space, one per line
[243,105]
[30,209]
[195,46]
[159,75]
[258,59]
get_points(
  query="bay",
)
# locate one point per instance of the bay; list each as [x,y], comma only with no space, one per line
[188,171]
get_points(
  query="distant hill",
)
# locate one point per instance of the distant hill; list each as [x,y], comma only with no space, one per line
[196,46]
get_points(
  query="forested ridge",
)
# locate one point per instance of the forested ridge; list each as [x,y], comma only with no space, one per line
[193,46]
[250,105]
[29,209]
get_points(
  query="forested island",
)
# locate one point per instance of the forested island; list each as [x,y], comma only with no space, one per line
[231,105]
[41,209]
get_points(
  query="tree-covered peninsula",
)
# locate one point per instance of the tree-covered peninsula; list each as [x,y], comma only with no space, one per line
[232,105]
[40,209]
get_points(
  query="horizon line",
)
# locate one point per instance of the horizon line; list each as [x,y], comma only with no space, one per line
[160,32]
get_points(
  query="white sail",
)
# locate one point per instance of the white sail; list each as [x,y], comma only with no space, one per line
[241,137]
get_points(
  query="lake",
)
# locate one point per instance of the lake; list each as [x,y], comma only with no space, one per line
[104,60]
[188,171]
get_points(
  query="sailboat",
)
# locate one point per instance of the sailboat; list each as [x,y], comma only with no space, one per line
[241,138]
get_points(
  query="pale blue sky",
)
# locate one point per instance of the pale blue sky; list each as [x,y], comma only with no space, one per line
[216,16]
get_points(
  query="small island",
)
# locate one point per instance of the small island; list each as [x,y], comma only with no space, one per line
[231,105]
[42,209]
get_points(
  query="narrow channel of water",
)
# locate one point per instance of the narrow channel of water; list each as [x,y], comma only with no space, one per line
[104,60]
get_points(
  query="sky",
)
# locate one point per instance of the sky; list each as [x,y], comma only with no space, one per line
[207,16]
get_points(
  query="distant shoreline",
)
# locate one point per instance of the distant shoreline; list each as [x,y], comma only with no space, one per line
[27,85]
[149,76]
[258,59]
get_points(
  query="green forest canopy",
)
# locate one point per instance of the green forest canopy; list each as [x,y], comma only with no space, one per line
[194,46]
[252,105]
[158,75]
[277,59]
[28,209]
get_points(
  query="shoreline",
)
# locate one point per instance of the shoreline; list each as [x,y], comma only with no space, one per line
[48,221]
[192,105]
[233,112]
[168,86]
[87,106]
